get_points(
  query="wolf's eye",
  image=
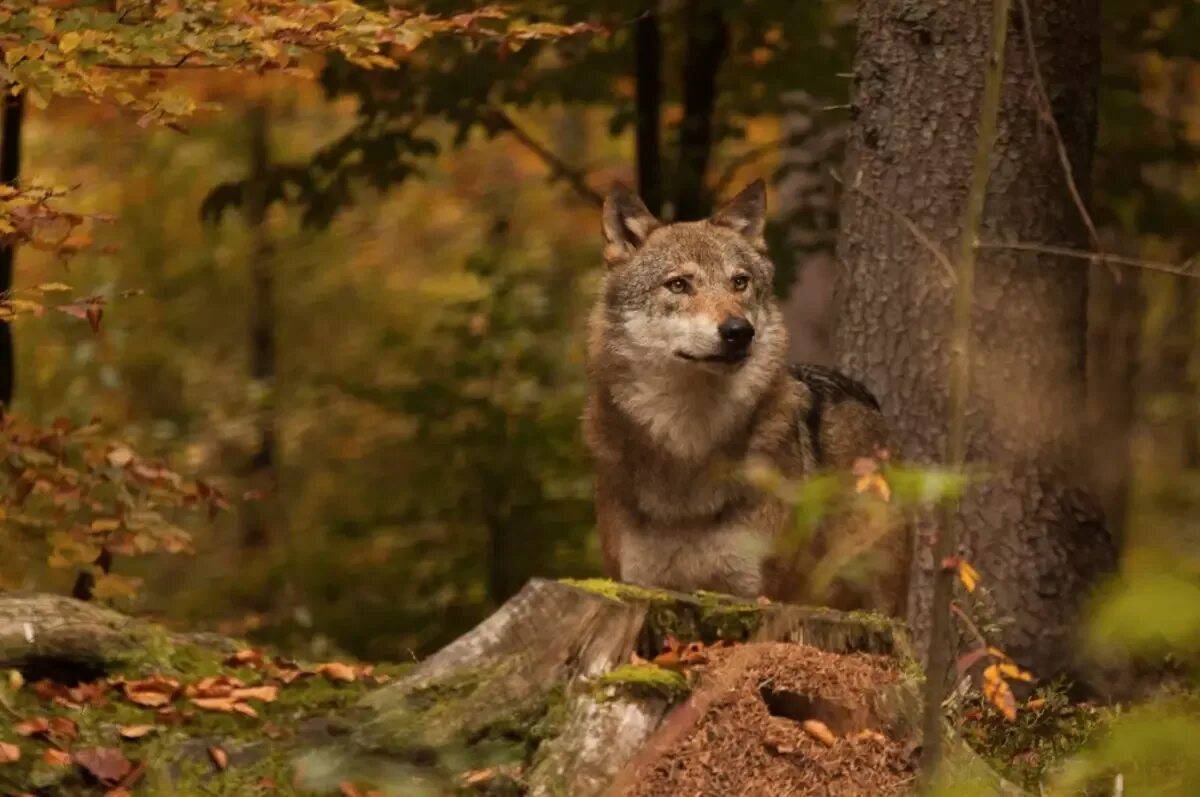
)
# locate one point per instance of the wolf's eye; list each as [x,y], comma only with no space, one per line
[740,282]
[677,285]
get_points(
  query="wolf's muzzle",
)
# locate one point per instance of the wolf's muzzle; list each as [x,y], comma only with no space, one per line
[737,334]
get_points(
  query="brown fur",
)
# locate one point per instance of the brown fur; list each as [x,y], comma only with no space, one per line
[674,422]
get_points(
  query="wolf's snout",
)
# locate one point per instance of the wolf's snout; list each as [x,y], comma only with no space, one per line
[736,333]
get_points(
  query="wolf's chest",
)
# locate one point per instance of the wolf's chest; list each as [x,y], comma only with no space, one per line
[726,558]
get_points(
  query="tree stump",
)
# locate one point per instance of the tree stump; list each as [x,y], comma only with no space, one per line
[544,686]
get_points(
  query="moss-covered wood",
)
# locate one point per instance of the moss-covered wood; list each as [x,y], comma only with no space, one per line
[542,695]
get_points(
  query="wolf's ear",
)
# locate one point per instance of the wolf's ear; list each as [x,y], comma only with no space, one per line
[746,213]
[627,225]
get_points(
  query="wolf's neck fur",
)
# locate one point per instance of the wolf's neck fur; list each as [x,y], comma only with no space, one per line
[691,413]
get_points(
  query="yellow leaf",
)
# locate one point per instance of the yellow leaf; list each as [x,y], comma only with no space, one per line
[968,575]
[1010,670]
[999,693]
[53,287]
[69,41]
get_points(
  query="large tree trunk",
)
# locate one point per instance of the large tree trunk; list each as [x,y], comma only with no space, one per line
[648,78]
[261,511]
[704,49]
[10,170]
[1025,524]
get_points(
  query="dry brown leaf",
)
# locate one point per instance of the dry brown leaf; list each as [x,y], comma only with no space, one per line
[34,726]
[245,658]
[64,728]
[224,704]
[219,757]
[267,693]
[819,731]
[136,731]
[337,671]
[479,777]
[245,708]
[56,758]
[106,764]
[9,753]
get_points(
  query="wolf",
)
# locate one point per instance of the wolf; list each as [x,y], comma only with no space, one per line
[689,388]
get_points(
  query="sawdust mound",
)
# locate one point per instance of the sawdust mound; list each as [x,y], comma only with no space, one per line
[779,719]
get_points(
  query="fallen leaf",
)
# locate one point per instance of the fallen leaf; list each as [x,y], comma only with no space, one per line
[106,764]
[1036,703]
[9,753]
[153,692]
[245,658]
[224,704]
[337,671]
[219,758]
[266,693]
[64,728]
[479,777]
[819,731]
[56,758]
[245,708]
[34,726]
[136,731]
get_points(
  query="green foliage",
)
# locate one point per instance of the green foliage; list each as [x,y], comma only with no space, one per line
[643,680]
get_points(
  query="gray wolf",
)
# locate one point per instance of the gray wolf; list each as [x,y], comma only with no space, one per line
[690,387]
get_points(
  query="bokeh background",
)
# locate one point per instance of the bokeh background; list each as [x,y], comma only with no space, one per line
[383,369]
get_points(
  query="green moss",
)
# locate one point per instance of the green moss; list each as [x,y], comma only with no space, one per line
[617,591]
[642,680]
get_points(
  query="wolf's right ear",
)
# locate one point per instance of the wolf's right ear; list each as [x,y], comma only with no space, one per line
[627,225]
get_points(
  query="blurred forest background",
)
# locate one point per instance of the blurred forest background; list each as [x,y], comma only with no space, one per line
[356,303]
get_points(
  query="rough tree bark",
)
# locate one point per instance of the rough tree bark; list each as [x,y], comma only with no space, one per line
[1026,524]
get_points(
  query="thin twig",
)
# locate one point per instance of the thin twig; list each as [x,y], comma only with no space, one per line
[1047,114]
[1184,270]
[559,169]
[974,629]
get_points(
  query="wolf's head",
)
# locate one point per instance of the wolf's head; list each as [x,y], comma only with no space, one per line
[690,296]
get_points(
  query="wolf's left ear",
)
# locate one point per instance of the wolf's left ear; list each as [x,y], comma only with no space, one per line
[627,225]
[746,213]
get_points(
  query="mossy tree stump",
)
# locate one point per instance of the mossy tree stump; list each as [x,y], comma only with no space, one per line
[544,682]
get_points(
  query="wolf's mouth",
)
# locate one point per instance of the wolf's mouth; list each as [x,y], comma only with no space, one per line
[732,358]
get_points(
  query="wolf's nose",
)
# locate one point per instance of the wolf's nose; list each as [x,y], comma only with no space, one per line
[736,331]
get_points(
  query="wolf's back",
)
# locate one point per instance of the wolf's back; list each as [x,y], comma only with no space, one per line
[844,421]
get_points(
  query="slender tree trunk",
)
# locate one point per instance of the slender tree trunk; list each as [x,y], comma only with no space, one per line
[10,171]
[648,80]
[703,52]
[262,476]
[1026,524]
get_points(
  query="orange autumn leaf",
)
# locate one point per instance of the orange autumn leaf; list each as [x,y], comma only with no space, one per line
[9,753]
[337,671]
[267,693]
[136,731]
[219,757]
[998,692]
[56,758]
[819,731]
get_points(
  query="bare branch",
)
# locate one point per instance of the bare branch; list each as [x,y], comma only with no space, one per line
[559,169]
[1047,114]
[1186,269]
